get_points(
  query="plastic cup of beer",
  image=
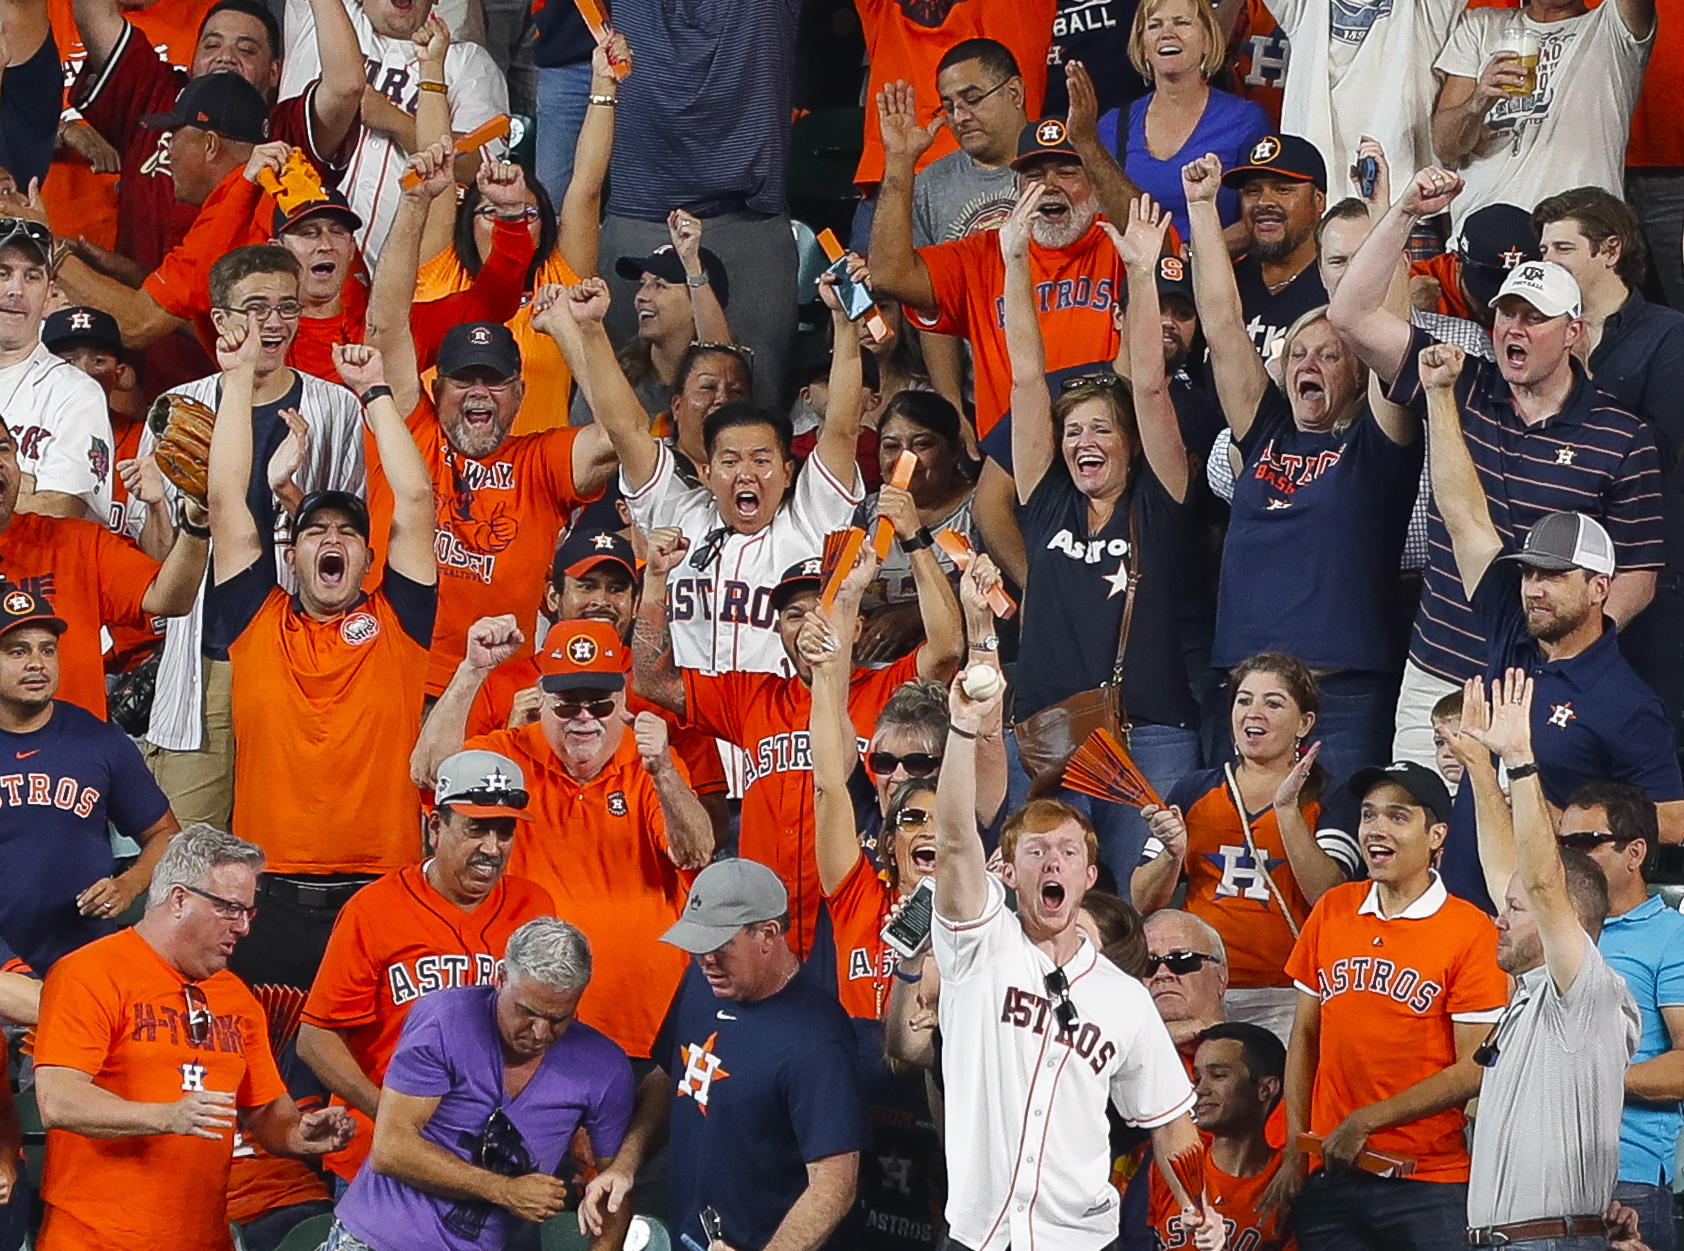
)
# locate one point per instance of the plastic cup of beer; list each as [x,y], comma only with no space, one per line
[1523,45]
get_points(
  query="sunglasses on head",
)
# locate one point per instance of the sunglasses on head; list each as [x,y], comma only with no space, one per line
[35,232]
[1590,840]
[567,709]
[1178,962]
[918,764]
[1105,381]
[1064,1008]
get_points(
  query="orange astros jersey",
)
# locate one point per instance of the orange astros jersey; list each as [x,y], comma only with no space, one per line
[1235,1198]
[117,1012]
[864,962]
[498,518]
[1396,984]
[395,941]
[1075,291]
[600,849]
[767,716]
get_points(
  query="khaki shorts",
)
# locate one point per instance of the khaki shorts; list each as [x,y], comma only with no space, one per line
[200,784]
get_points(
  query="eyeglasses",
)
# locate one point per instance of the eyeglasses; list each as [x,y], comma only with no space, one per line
[567,709]
[227,909]
[911,818]
[199,1019]
[489,211]
[741,351]
[1058,990]
[286,310]
[1106,381]
[1179,962]
[918,764]
[968,100]
[1590,840]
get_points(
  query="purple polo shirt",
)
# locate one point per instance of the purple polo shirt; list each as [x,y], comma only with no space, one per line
[450,1050]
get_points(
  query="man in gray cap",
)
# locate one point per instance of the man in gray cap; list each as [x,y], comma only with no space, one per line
[767,1117]
[425,928]
[1544,610]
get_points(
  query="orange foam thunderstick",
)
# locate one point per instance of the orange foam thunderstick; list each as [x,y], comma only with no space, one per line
[872,318]
[473,141]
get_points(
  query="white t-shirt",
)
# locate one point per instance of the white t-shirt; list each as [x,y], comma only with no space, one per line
[1028,1148]
[61,423]
[722,618]
[1571,131]
[1363,67]
[478,92]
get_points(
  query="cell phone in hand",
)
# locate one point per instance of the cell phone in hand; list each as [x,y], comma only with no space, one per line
[1368,175]
[855,298]
[909,933]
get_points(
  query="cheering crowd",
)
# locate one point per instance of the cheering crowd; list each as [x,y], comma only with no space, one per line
[1118,688]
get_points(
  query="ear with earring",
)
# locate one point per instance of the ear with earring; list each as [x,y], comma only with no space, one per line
[1300,747]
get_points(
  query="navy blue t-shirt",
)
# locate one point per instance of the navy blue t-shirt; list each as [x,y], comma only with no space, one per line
[59,785]
[1314,536]
[1593,720]
[762,1090]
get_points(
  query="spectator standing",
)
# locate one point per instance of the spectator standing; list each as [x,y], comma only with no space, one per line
[1283,191]
[327,682]
[1614,824]
[1546,1143]
[29,92]
[561,52]
[1177,45]
[1516,146]
[84,777]
[1655,159]
[1635,351]
[128,1104]
[483,1095]
[1432,997]
[426,928]
[1095,33]
[984,101]
[754,1071]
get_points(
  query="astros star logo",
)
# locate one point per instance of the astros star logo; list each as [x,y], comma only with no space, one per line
[1119,581]
[701,1069]
[603,542]
[496,780]
[1513,257]
[1561,714]
[81,321]
[581,649]
[1564,455]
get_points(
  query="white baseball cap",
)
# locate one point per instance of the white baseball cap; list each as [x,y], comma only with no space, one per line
[1544,285]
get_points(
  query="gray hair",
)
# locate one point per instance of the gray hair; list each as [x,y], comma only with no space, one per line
[193,854]
[918,705]
[1212,938]
[551,952]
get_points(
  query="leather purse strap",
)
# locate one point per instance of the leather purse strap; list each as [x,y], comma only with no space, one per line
[1128,619]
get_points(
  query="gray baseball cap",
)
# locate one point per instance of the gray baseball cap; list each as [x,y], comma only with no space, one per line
[482,784]
[725,897]
[1560,541]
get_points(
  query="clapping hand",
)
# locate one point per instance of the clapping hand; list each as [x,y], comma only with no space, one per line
[1509,733]
[897,120]
[1142,242]
[1014,231]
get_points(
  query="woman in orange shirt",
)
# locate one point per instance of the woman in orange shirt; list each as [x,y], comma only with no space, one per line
[1198,836]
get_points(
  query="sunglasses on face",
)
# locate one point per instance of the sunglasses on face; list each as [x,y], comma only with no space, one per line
[918,764]
[1178,962]
[1589,841]
[1058,990]
[199,1019]
[567,709]
[911,819]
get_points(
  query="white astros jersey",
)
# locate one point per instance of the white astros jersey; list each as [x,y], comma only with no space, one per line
[62,427]
[722,618]
[1028,1151]
[478,92]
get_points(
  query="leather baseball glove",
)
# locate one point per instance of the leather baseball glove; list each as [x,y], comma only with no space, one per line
[183,427]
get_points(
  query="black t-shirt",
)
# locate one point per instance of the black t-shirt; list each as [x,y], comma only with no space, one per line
[1269,316]
[1073,605]
[1096,33]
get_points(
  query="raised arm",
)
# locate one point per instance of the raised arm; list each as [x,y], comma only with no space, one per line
[1033,443]
[339,91]
[1240,376]
[1313,869]
[689,829]
[1493,820]
[1358,309]
[938,608]
[705,309]
[975,585]
[845,401]
[655,674]
[491,641]
[100,23]
[1474,541]
[580,214]
[827,643]
[1114,190]
[1160,432]
[899,270]
[961,865]
[233,528]
[1459,116]
[409,549]
[431,125]
[386,326]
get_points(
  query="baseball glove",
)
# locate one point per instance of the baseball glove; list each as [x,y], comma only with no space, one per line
[183,427]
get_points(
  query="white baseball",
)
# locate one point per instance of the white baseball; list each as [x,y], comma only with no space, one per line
[981,683]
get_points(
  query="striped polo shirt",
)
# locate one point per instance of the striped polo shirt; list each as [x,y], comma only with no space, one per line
[1592,457]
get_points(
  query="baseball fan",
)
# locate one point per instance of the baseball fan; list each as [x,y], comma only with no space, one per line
[1102,768]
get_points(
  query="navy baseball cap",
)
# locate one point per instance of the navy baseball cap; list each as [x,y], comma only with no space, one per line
[1281,156]
[1173,277]
[479,345]
[1049,137]
[331,205]
[224,103]
[583,550]
[1423,784]
[665,264]
[20,607]
[804,575]
[1495,241]
[71,327]
[343,501]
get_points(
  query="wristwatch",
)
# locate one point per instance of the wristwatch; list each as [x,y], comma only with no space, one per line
[918,542]
[693,281]
[989,644]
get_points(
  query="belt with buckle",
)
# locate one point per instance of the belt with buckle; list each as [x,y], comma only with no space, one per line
[1525,1231]
[308,894]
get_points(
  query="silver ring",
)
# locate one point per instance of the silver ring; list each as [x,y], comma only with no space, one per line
[1518,699]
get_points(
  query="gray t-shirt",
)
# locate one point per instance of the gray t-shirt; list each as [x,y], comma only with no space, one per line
[1547,1138]
[955,197]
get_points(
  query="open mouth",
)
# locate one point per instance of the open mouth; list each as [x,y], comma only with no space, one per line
[1515,355]
[746,504]
[1255,733]
[1052,209]
[484,870]
[925,858]
[323,269]
[271,341]
[1052,896]
[330,569]
[1168,47]
[479,416]
[1268,219]
[1089,464]
[1311,388]
[1378,854]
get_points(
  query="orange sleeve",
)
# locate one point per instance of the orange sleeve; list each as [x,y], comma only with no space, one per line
[700,755]
[79,1008]
[125,575]
[262,1083]
[346,991]
[181,283]
[714,702]
[1301,965]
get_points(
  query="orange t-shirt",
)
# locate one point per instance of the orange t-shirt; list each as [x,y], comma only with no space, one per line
[325,715]
[1400,985]
[907,41]
[1245,914]
[859,909]
[259,1182]
[600,849]
[498,520]
[1262,50]
[767,716]
[1075,290]
[395,941]
[1235,1199]
[117,1011]
[91,578]
[1446,270]
[548,380]
[699,753]
[1657,136]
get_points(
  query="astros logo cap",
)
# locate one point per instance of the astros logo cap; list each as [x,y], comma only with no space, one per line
[20,607]
[582,654]
[482,784]
[1281,156]
[483,345]
[1046,138]
[803,575]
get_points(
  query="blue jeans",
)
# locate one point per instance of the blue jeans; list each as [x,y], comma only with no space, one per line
[1656,1213]
[1355,725]
[563,95]
[1349,1210]
[1658,196]
[1165,754]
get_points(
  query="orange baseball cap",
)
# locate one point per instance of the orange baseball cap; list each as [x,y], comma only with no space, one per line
[582,655]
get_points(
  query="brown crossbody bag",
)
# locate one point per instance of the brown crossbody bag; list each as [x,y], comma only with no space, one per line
[1047,740]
